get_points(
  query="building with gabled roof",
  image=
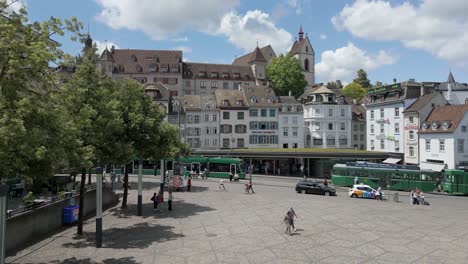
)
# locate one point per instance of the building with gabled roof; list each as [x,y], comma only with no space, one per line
[443,138]
[454,92]
[413,116]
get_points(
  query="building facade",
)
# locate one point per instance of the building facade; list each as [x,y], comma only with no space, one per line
[358,124]
[413,115]
[164,66]
[291,123]
[263,117]
[234,111]
[443,140]
[303,51]
[327,118]
[384,115]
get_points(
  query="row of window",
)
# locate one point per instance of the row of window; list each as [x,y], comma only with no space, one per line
[263,139]
[240,142]
[263,125]
[263,112]
[460,145]
[361,137]
[330,141]
[382,113]
[239,129]
[330,112]
[223,75]
[361,127]
[316,126]
[286,131]
[382,145]
[214,85]
[227,115]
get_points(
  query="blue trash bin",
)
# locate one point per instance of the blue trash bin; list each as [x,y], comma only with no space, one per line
[70,215]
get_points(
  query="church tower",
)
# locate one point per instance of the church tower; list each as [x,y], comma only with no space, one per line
[258,64]
[304,52]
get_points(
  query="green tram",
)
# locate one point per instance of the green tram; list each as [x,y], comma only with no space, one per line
[394,177]
[456,182]
[216,167]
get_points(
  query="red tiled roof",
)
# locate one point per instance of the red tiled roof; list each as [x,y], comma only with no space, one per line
[453,114]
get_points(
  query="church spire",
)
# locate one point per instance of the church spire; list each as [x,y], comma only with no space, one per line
[301,33]
[450,78]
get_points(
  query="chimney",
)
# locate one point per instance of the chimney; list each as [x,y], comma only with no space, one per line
[354,101]
[422,90]
[290,93]
[394,80]
[112,49]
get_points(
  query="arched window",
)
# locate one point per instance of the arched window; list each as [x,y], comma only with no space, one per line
[307,49]
[306,64]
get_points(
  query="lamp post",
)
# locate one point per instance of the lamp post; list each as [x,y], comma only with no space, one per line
[99,174]
[3,210]
[140,187]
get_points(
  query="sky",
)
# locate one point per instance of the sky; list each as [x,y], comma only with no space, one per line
[418,39]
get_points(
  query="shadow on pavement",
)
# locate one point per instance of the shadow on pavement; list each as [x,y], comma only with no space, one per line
[140,235]
[180,209]
[127,260]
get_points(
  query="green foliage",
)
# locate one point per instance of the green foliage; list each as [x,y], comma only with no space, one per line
[28,199]
[355,91]
[62,195]
[31,127]
[362,79]
[285,73]
[334,85]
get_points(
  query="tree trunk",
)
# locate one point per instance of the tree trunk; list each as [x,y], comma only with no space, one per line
[81,209]
[89,176]
[125,186]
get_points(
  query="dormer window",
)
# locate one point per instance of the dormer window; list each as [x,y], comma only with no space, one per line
[152,67]
[225,75]
[253,99]
[121,68]
[134,58]
[446,125]
[201,74]
[225,102]
[239,102]
[214,75]
[207,106]
[236,75]
[139,68]
[425,126]
[435,125]
[247,77]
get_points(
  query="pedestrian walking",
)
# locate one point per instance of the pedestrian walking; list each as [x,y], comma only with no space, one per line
[231,176]
[325,182]
[291,214]
[221,184]
[415,197]
[356,180]
[189,183]
[379,191]
[154,198]
[250,187]
[169,202]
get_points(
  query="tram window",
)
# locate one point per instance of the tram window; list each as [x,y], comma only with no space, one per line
[423,177]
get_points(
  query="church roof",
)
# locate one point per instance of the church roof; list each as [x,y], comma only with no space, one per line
[245,59]
[455,86]
[323,89]
[298,44]
[257,56]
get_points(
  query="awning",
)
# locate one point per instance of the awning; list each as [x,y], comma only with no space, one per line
[391,161]
[432,166]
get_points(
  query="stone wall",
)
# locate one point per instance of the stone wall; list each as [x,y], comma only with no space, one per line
[25,228]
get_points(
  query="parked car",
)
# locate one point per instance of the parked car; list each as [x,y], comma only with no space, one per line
[314,187]
[364,191]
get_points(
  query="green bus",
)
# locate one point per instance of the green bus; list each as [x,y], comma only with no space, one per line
[216,167]
[391,176]
[455,182]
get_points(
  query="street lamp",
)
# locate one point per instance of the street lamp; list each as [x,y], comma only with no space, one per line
[3,210]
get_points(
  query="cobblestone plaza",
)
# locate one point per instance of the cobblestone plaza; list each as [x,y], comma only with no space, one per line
[212,226]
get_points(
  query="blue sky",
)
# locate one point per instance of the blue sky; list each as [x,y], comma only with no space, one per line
[389,39]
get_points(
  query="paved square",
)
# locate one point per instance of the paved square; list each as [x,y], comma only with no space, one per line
[211,226]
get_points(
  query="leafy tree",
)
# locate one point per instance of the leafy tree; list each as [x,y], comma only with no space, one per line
[285,73]
[31,127]
[144,134]
[87,99]
[355,91]
[362,79]
[334,85]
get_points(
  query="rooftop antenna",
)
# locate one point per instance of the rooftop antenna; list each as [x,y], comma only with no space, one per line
[257,43]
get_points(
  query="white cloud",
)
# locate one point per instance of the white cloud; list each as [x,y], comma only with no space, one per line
[181,39]
[297,5]
[323,36]
[438,27]
[102,45]
[344,62]
[245,31]
[161,19]
[184,49]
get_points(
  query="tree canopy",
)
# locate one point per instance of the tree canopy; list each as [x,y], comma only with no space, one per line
[285,73]
[362,79]
[334,85]
[355,91]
